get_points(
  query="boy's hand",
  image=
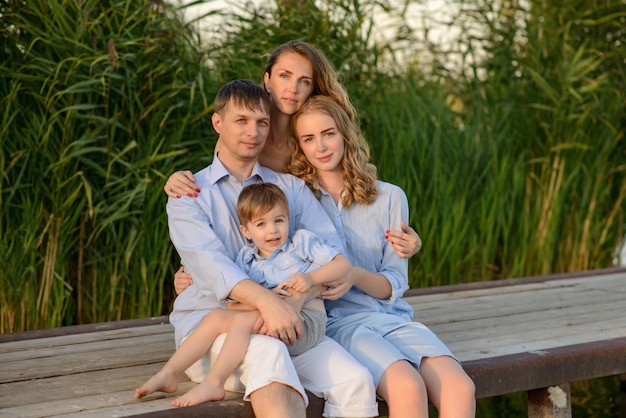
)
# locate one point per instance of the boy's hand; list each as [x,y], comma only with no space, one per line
[300,282]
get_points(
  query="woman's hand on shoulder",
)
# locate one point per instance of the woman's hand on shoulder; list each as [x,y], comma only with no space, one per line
[406,243]
[181,183]
[182,280]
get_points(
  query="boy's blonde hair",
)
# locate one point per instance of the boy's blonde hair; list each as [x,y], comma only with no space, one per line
[258,199]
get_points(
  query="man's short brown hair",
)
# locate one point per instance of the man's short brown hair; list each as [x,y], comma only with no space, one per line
[243,93]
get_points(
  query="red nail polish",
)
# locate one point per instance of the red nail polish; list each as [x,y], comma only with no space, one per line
[387,231]
[188,194]
[195,195]
[177,196]
[386,236]
[198,189]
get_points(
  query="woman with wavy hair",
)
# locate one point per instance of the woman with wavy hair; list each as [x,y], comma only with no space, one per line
[409,363]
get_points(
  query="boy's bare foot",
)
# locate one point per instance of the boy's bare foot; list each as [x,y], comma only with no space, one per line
[160,382]
[203,392]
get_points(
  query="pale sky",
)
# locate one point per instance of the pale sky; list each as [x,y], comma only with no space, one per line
[434,9]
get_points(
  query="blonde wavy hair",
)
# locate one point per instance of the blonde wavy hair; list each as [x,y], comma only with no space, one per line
[359,175]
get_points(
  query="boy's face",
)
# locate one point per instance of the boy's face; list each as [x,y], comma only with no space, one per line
[242,132]
[268,231]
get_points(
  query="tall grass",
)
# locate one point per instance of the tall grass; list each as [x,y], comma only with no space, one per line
[508,140]
[99,101]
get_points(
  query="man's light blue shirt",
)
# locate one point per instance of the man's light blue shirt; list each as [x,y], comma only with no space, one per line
[205,232]
[362,229]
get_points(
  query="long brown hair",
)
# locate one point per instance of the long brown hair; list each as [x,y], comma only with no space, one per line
[325,79]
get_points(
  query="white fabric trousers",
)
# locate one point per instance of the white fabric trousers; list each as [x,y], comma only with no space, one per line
[326,370]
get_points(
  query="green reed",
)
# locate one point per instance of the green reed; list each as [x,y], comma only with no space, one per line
[100,101]
[511,169]
[508,141]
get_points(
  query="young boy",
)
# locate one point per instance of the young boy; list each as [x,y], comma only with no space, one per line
[274,261]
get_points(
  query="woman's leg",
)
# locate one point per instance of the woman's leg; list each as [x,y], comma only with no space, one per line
[397,380]
[391,349]
[449,388]
[402,387]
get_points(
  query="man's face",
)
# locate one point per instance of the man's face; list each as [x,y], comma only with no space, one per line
[242,132]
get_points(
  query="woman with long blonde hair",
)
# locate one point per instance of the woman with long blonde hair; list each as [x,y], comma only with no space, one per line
[410,364]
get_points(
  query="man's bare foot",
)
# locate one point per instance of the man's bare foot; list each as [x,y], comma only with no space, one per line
[160,382]
[199,394]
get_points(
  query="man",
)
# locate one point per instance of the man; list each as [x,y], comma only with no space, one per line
[205,232]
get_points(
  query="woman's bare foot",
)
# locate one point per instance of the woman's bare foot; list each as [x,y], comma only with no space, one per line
[199,394]
[160,382]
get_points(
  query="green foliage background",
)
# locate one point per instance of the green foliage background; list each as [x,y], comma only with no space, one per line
[509,140]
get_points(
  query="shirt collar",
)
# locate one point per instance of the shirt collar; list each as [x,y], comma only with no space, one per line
[255,251]
[218,171]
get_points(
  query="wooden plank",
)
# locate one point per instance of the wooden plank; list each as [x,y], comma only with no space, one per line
[102,356]
[549,320]
[513,303]
[531,297]
[86,345]
[586,325]
[113,400]
[527,334]
[83,329]
[63,340]
[81,384]
[110,403]
[512,347]
[508,283]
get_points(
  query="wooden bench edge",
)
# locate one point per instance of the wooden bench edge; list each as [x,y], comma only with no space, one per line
[510,282]
[541,369]
[82,329]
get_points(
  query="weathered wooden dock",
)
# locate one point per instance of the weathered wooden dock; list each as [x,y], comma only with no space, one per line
[534,334]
